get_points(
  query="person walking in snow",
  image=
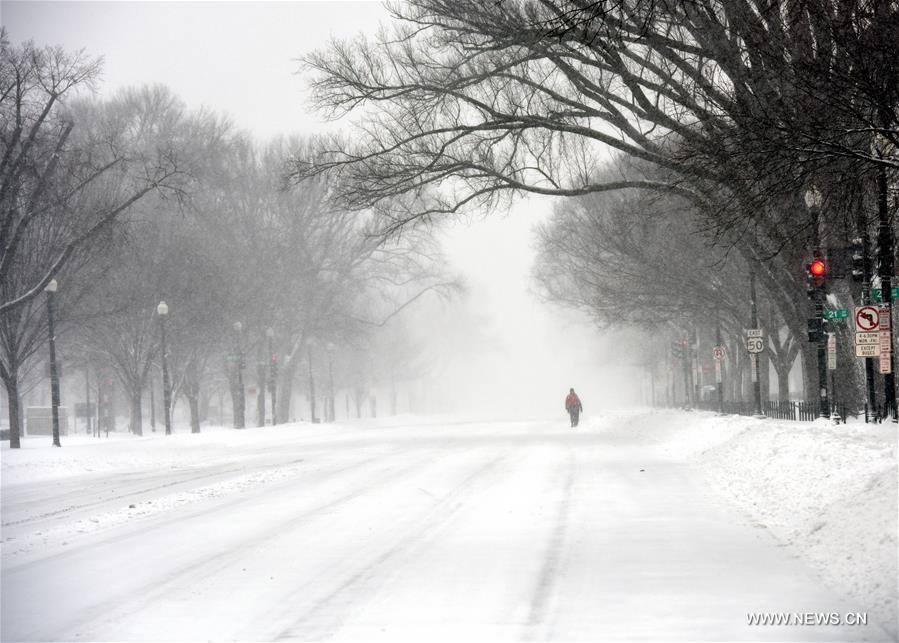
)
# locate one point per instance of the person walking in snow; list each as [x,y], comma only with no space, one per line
[573,406]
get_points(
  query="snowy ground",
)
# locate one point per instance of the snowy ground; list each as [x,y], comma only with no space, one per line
[649,526]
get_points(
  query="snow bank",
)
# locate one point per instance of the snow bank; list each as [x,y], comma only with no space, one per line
[828,492]
[122,451]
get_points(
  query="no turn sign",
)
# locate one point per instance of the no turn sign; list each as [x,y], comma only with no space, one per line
[867,319]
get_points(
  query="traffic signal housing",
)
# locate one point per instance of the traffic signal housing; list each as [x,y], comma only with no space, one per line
[858,260]
[817,268]
[815,330]
[815,272]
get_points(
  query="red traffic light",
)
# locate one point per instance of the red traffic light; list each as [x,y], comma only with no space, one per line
[817,268]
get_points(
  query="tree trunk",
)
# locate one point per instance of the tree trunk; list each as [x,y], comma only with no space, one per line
[359,396]
[764,377]
[15,422]
[783,381]
[137,412]
[193,401]
[260,394]
[191,389]
[205,398]
[285,389]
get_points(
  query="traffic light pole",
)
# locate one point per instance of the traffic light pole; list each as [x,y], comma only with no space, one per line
[871,403]
[824,411]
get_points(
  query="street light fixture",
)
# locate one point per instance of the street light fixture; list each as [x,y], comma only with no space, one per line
[163,310]
[272,373]
[240,404]
[51,289]
[330,348]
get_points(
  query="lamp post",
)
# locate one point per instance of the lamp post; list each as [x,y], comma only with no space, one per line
[813,200]
[239,403]
[51,289]
[163,310]
[330,348]
[309,343]
[272,373]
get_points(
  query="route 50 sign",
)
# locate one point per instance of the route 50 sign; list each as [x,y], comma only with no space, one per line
[755,343]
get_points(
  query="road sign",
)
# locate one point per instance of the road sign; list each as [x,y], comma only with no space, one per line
[831,352]
[867,350]
[832,361]
[755,332]
[867,319]
[867,338]
[877,294]
[755,344]
[719,352]
[884,315]
[836,313]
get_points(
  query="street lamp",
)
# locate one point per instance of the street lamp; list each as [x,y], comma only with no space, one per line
[330,349]
[272,373]
[309,342]
[163,310]
[51,289]
[813,201]
[239,408]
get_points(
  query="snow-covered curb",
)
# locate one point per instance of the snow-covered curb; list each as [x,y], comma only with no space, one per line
[828,492]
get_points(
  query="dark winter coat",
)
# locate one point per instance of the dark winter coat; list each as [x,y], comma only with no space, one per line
[573,402]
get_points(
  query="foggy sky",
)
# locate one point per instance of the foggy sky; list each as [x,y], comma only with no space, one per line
[241,58]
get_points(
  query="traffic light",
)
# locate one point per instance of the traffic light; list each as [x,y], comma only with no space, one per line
[815,272]
[817,268]
[815,330]
[858,260]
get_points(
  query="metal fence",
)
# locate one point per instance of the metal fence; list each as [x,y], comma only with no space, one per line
[786,410]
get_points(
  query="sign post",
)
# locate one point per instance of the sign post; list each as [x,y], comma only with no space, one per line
[886,348]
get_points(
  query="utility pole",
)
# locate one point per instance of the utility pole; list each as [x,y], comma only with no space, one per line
[754,358]
[885,241]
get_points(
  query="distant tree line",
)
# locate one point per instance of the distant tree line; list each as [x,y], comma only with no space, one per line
[134,199]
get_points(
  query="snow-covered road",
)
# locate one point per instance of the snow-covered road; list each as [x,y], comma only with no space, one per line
[493,530]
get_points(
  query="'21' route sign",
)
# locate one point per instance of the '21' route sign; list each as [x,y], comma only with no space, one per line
[867,319]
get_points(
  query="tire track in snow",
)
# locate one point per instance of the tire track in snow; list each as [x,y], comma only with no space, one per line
[148,594]
[539,623]
[361,584]
[99,503]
